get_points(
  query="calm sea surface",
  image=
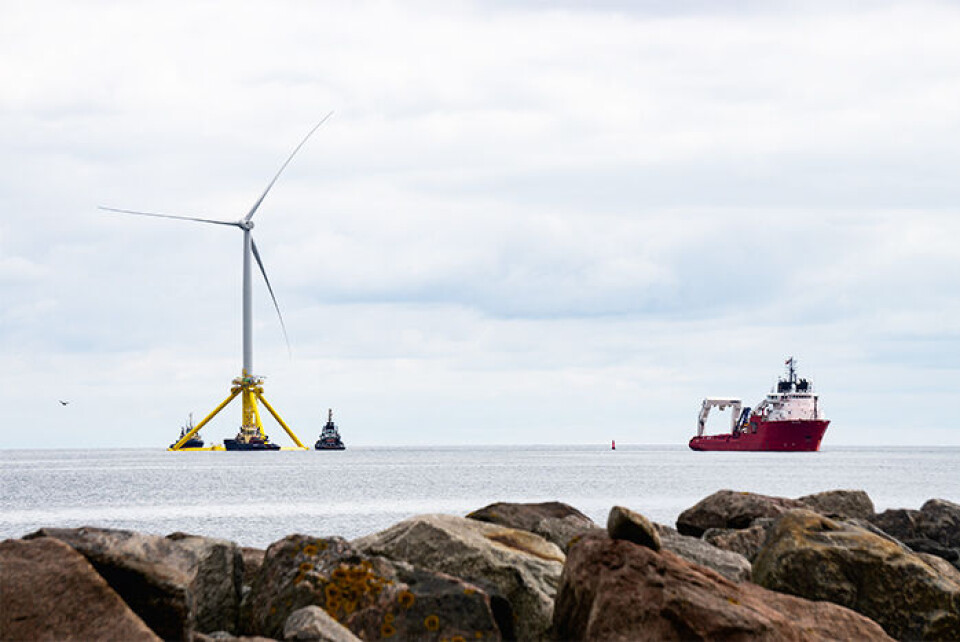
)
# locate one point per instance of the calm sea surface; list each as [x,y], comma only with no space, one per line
[257,498]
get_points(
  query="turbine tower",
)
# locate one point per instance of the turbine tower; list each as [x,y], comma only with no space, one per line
[248,386]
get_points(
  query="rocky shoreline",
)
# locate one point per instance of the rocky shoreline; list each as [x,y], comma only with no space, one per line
[737,566]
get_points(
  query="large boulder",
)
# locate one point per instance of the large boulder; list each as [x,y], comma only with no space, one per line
[618,590]
[554,521]
[815,557]
[372,596]
[51,592]
[519,566]
[731,565]
[840,504]
[731,509]
[178,585]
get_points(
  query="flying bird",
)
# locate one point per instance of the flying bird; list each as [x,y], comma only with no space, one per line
[62,402]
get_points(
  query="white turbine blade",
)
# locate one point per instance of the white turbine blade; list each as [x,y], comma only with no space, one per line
[181,218]
[263,271]
[256,205]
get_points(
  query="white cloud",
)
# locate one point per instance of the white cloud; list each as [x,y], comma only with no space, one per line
[521,221]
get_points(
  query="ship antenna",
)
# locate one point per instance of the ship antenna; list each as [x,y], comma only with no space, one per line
[791,362]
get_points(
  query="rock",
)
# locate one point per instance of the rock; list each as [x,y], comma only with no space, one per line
[616,590]
[900,523]
[554,521]
[743,541]
[931,547]
[226,635]
[623,523]
[176,585]
[51,592]
[730,509]
[252,561]
[315,625]
[731,565]
[840,504]
[372,596]
[818,558]
[939,520]
[516,565]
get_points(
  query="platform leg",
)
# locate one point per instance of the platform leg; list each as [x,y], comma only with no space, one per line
[280,421]
[206,419]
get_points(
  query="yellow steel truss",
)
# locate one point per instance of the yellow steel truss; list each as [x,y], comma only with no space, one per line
[249,389]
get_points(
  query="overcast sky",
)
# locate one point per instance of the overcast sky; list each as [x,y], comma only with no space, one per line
[536,222]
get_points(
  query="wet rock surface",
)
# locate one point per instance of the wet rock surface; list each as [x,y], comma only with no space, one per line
[518,566]
[815,557]
[554,521]
[617,590]
[51,592]
[177,584]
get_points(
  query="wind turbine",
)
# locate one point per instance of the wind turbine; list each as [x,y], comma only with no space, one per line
[248,385]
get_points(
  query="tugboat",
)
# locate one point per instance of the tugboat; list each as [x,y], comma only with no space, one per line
[789,419]
[329,436]
[250,438]
[193,442]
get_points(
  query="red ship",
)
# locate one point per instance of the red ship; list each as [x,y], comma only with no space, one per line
[788,419]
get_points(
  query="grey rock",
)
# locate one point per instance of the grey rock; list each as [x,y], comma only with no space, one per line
[743,541]
[519,566]
[313,624]
[931,547]
[554,521]
[733,566]
[623,523]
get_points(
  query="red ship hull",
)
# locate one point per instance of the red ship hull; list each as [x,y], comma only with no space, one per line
[778,436]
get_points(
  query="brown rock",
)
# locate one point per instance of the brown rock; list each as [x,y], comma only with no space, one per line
[177,585]
[815,557]
[372,596]
[252,561]
[554,521]
[617,590]
[840,504]
[731,509]
[48,591]
[623,523]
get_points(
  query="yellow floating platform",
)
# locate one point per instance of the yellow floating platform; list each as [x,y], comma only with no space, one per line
[214,447]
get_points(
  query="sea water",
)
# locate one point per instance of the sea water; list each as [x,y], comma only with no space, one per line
[255,498]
